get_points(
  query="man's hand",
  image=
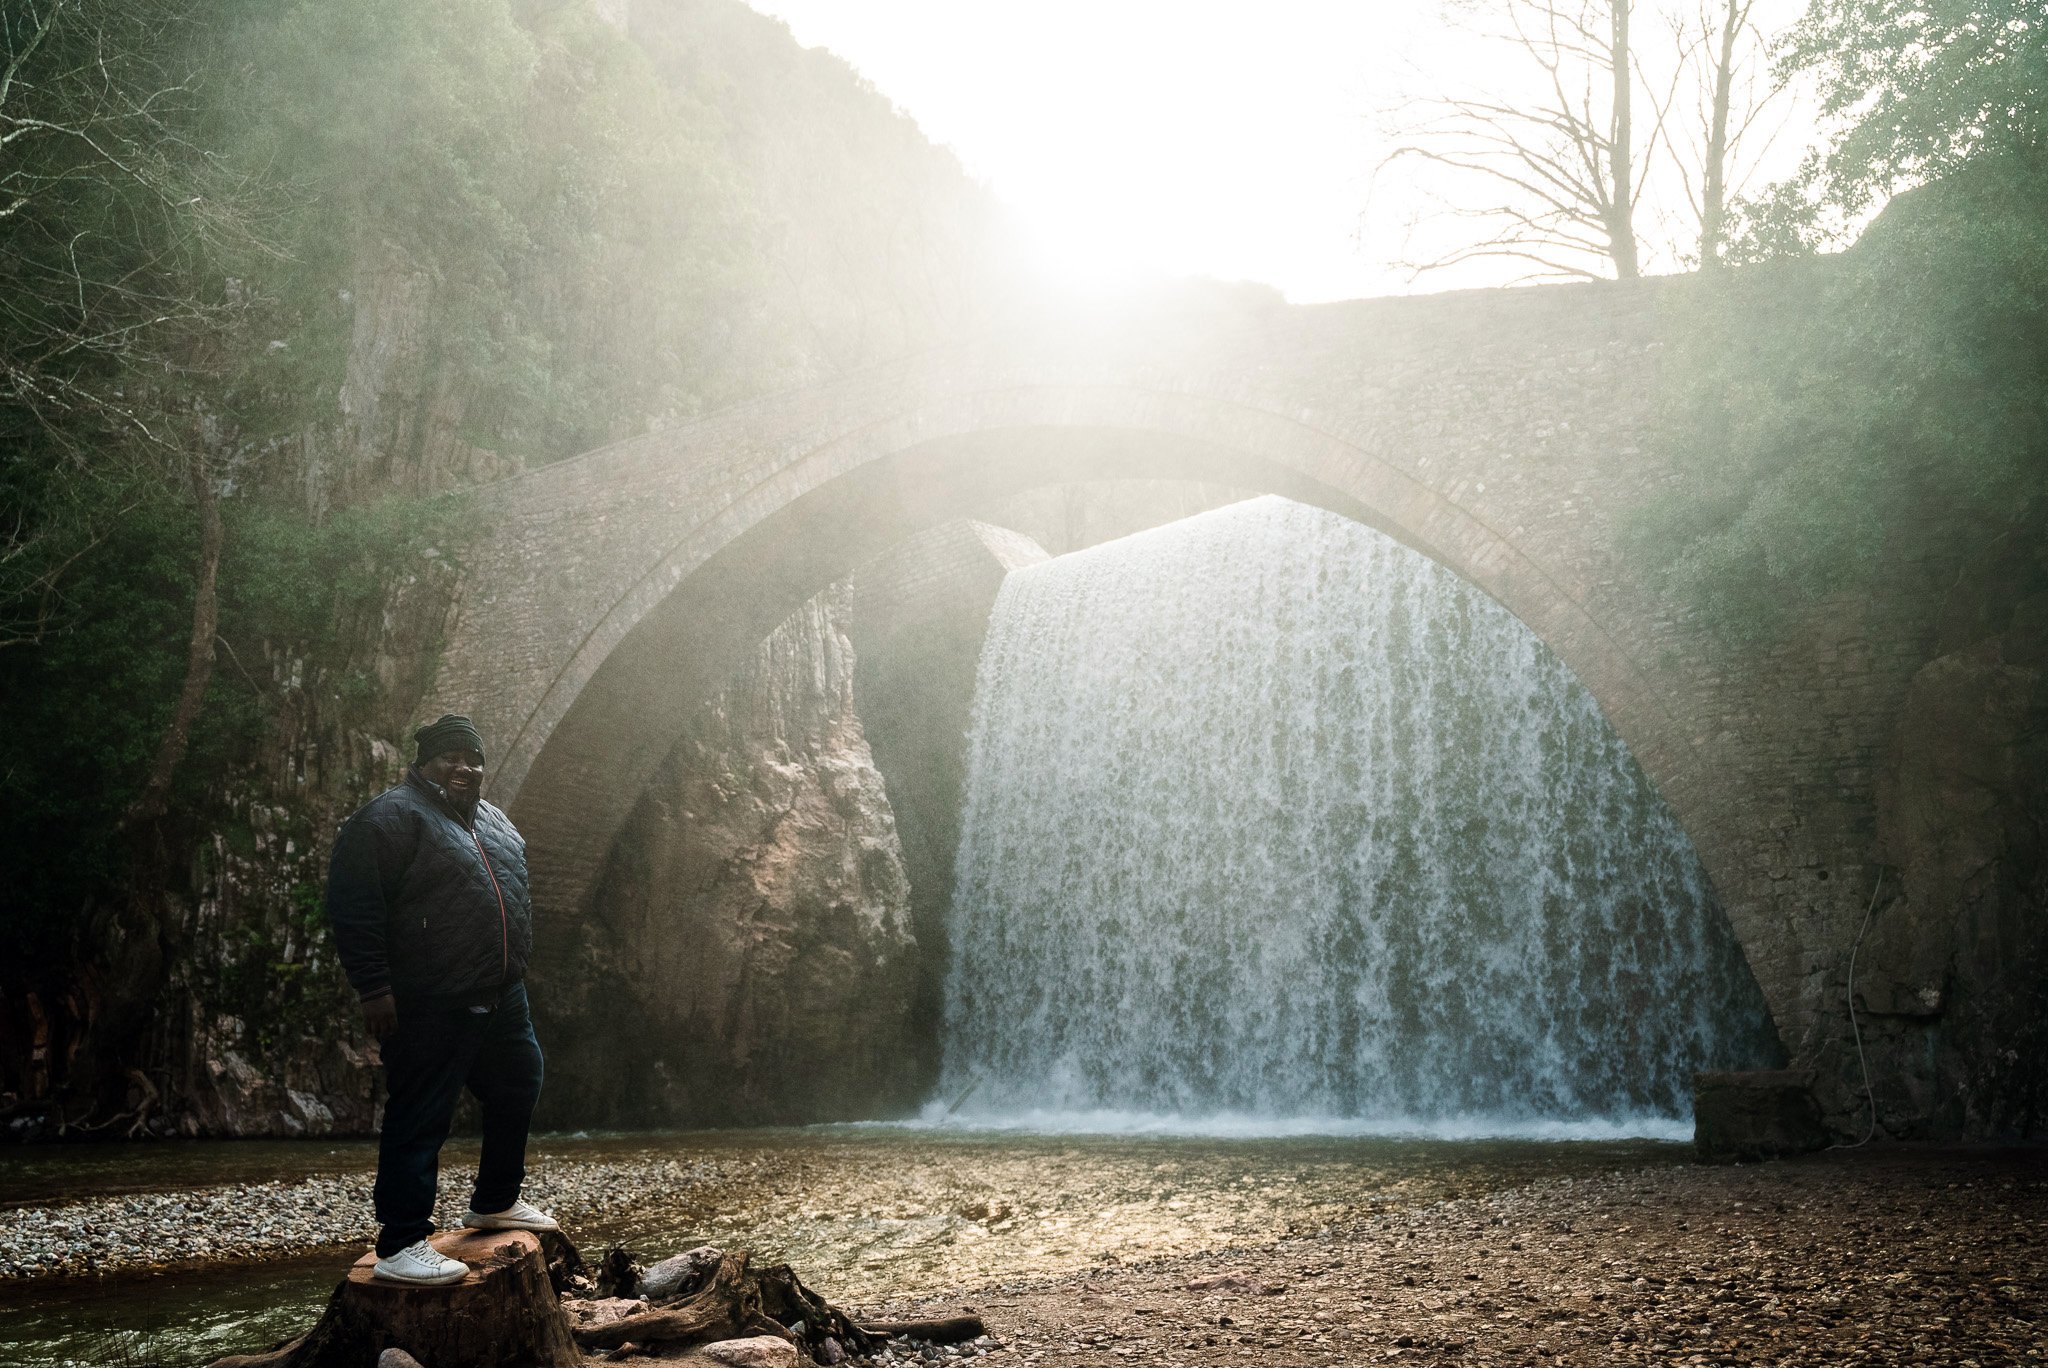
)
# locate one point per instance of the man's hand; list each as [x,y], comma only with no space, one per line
[380,1014]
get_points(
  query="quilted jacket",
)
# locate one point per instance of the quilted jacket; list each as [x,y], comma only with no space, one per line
[425,903]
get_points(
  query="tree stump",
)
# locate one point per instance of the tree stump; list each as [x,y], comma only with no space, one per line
[502,1315]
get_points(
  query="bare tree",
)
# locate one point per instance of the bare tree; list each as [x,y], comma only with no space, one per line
[99,212]
[116,320]
[1728,57]
[1562,161]
[1555,165]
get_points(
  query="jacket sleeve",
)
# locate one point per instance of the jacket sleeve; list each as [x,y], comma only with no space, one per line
[361,879]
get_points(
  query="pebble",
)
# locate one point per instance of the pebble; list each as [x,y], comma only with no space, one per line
[268,1220]
[1870,1257]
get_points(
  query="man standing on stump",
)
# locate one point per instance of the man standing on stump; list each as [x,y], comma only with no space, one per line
[428,898]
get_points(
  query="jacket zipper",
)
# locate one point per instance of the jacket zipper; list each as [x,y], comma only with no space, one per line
[504,925]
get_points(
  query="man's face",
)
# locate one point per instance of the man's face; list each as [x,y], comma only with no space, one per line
[461,772]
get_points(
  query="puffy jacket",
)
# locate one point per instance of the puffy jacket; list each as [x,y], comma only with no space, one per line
[426,904]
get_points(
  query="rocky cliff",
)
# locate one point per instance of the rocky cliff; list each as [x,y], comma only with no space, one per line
[211,1003]
[1952,979]
[748,957]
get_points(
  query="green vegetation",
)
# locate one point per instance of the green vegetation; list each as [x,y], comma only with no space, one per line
[1830,423]
[86,707]
[274,274]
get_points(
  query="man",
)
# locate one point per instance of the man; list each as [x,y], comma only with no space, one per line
[427,895]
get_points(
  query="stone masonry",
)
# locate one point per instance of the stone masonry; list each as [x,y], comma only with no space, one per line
[1505,433]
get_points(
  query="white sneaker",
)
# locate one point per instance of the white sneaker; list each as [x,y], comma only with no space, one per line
[422,1264]
[518,1216]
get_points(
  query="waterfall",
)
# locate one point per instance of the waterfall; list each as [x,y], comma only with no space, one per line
[1271,821]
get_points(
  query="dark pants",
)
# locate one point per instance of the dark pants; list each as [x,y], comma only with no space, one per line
[435,1053]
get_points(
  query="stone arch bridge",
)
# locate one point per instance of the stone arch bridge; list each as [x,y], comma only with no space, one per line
[1504,433]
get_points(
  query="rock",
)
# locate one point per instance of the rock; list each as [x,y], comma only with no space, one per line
[757,1351]
[397,1358]
[1227,1282]
[829,1351]
[1955,965]
[673,1277]
[750,958]
[588,1311]
[1742,1117]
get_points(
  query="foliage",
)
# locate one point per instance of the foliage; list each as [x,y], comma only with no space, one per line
[116,235]
[1923,87]
[524,175]
[1916,91]
[1825,420]
[216,216]
[86,708]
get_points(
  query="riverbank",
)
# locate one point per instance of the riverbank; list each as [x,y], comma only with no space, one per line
[1880,1257]
[1076,1248]
[863,1210]
[282,1217]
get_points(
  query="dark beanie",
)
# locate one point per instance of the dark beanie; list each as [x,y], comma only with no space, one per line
[451,732]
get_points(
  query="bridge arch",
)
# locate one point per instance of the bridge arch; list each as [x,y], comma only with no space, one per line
[1506,434]
[715,577]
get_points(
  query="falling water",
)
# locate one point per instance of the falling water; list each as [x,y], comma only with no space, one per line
[1274,822]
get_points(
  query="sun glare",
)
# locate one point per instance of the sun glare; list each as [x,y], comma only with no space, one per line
[1138,140]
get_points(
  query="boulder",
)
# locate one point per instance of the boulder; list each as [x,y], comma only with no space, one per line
[756,1351]
[673,1277]
[1742,1117]
[1226,1282]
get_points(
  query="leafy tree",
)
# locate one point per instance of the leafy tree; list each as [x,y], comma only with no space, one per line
[1828,422]
[108,220]
[1828,419]
[1924,86]
[1917,90]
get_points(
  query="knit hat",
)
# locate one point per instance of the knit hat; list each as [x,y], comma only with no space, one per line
[450,732]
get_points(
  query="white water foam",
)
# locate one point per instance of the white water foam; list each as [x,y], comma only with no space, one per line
[1227,1126]
[1274,826]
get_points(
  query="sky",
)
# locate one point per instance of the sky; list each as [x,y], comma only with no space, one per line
[1238,141]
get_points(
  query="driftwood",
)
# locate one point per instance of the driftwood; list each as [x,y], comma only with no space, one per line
[952,1330]
[726,1307]
[735,1302]
[565,1263]
[506,1312]
[503,1312]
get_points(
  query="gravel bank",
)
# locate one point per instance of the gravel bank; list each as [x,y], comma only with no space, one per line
[1886,1257]
[268,1220]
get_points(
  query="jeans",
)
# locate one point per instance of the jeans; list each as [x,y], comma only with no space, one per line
[437,1051]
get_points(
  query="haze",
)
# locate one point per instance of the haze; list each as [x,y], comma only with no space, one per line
[1135,137]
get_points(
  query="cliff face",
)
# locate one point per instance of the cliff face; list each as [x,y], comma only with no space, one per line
[590,229]
[256,1027]
[1953,975]
[748,957]
[213,1005]
[921,612]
